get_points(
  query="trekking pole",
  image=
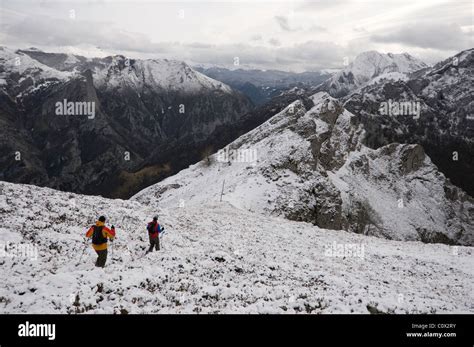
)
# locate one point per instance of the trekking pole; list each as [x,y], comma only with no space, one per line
[112,245]
[161,237]
[83,251]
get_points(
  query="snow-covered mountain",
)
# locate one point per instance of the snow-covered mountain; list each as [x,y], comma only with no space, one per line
[367,66]
[159,74]
[151,118]
[19,73]
[110,73]
[215,258]
[309,164]
[444,125]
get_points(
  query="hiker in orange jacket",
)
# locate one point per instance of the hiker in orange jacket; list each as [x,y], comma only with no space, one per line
[100,233]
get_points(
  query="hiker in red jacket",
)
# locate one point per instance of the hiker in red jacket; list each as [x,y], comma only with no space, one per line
[154,230]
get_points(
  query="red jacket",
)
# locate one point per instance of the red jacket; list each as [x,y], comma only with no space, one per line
[154,229]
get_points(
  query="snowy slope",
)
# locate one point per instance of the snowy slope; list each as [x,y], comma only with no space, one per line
[215,259]
[161,74]
[388,76]
[312,166]
[20,73]
[367,66]
[22,64]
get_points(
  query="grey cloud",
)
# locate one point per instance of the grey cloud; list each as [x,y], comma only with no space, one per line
[274,42]
[311,55]
[42,32]
[360,30]
[320,5]
[283,23]
[317,28]
[200,45]
[437,36]
[45,31]
[260,51]
[256,38]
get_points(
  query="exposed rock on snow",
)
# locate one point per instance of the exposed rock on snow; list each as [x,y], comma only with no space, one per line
[313,167]
[445,124]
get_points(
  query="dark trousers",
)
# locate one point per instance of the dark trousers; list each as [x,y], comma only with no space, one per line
[154,242]
[101,258]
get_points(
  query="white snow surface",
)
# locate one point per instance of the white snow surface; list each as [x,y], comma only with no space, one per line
[157,73]
[388,76]
[16,62]
[215,258]
[371,65]
[283,176]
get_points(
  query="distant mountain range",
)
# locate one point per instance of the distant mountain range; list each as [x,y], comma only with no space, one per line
[141,135]
[262,85]
[152,118]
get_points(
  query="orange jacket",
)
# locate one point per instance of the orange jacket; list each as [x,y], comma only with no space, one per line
[106,232]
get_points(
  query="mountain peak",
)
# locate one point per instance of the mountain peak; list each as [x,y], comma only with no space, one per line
[376,62]
[163,74]
[367,66]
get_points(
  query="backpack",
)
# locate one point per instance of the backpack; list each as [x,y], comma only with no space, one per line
[151,227]
[97,236]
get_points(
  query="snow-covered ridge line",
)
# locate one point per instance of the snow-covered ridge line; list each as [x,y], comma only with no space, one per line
[158,73]
[110,72]
[27,67]
[311,165]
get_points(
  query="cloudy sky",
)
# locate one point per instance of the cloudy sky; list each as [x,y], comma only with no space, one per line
[294,35]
